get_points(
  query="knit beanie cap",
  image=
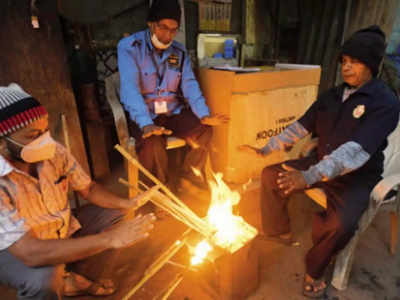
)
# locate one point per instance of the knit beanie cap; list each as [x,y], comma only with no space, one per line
[17,109]
[367,45]
[165,9]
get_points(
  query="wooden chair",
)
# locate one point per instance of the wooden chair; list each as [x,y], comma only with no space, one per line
[384,196]
[112,94]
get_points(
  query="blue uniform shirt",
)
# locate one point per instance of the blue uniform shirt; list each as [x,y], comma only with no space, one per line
[147,78]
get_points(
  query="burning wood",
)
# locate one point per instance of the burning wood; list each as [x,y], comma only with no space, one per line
[232,232]
[220,228]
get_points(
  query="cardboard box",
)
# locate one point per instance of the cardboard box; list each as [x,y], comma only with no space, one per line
[260,105]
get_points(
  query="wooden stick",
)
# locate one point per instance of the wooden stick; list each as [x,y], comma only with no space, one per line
[165,257]
[172,286]
[158,264]
[143,185]
[201,226]
[127,184]
[65,132]
[147,173]
[181,217]
[186,268]
[183,214]
[154,179]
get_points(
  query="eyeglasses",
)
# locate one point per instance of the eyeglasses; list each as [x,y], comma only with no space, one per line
[165,28]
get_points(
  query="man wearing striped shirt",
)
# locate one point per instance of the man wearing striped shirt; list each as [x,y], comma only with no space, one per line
[38,232]
[352,123]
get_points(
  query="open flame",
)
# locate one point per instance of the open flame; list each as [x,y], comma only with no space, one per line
[220,214]
[200,252]
[232,232]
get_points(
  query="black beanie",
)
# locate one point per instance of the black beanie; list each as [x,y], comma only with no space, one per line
[165,9]
[368,46]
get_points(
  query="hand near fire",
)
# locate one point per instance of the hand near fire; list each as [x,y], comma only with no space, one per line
[215,120]
[152,129]
[129,232]
[290,180]
[264,151]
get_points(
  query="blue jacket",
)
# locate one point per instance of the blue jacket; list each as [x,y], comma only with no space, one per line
[147,78]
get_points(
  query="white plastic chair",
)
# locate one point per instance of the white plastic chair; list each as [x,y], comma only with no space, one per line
[379,200]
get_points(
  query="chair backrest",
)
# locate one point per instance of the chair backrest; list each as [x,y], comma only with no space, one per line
[112,94]
[392,153]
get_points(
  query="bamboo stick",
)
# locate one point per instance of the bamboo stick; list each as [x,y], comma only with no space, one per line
[173,285]
[127,184]
[158,264]
[155,180]
[162,206]
[143,185]
[187,268]
[181,217]
[200,226]
[182,213]
[147,173]
[65,132]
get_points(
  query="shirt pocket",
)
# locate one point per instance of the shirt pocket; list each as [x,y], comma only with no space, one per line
[148,82]
[173,80]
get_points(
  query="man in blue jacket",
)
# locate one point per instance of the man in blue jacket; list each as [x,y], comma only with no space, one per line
[352,123]
[161,94]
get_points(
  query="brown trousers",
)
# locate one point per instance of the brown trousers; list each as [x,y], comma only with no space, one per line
[153,155]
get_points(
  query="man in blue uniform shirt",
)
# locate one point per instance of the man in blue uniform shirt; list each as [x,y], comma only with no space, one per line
[161,94]
[352,123]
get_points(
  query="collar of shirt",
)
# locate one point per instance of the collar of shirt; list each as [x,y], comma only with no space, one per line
[5,167]
[347,92]
[165,53]
[368,88]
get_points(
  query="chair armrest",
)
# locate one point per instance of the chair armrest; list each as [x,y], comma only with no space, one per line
[383,187]
[112,95]
[309,147]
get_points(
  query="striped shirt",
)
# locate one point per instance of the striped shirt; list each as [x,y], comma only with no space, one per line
[39,205]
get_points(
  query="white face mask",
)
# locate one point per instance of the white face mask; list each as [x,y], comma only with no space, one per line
[158,44]
[42,148]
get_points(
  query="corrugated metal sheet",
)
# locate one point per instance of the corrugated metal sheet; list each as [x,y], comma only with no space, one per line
[325,24]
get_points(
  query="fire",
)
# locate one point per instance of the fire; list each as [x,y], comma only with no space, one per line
[232,232]
[200,252]
[220,213]
[197,172]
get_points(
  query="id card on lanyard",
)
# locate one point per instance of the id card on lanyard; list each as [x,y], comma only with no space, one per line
[160,107]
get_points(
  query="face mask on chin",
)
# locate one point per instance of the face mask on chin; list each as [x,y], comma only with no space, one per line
[42,148]
[158,44]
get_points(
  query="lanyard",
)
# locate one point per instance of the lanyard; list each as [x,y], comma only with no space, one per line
[156,66]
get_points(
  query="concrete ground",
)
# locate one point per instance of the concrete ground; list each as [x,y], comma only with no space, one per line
[374,276]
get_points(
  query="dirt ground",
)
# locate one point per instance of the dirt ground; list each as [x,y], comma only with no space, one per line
[375,274]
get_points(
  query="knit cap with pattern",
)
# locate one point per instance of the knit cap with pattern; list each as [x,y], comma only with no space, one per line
[17,109]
